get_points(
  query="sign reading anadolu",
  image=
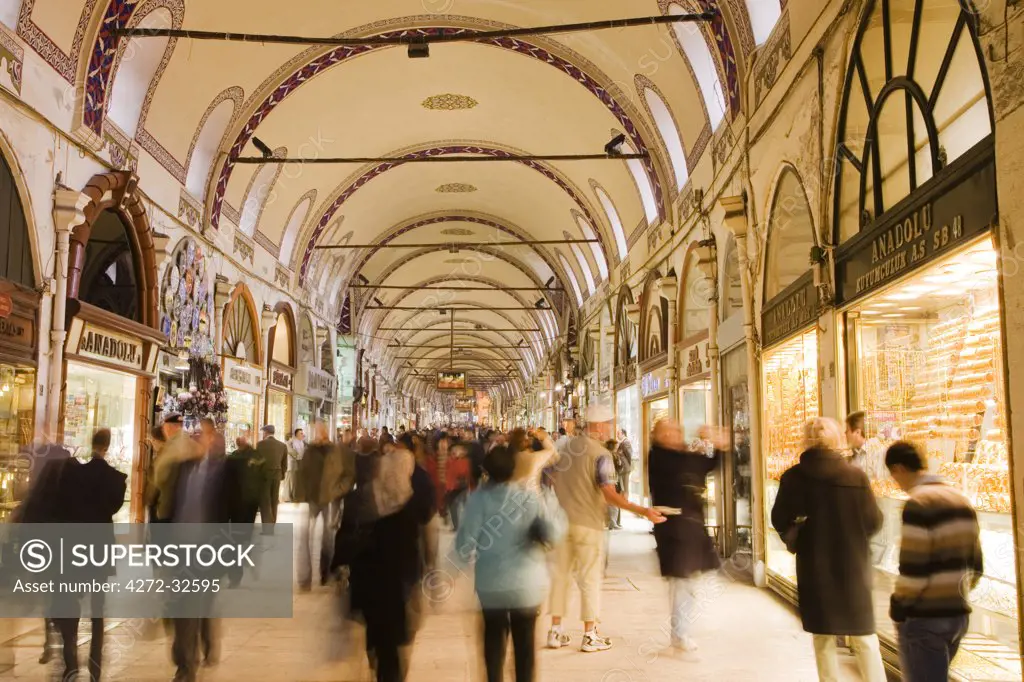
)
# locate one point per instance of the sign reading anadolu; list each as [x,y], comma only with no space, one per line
[109,346]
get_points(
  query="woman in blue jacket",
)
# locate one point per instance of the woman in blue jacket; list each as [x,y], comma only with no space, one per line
[507,528]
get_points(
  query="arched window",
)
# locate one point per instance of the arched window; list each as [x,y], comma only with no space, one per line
[261,188]
[109,277]
[282,348]
[695,314]
[595,247]
[703,64]
[15,248]
[135,72]
[669,134]
[295,222]
[642,182]
[914,101]
[764,14]
[205,150]
[625,331]
[616,222]
[732,287]
[240,337]
[572,279]
[790,236]
[654,319]
[327,357]
[588,276]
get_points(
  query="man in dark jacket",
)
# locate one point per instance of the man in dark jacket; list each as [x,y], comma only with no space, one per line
[275,456]
[826,513]
[246,479]
[678,478]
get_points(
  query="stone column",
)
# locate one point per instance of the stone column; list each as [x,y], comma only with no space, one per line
[68,213]
[669,289]
[736,222]
[707,256]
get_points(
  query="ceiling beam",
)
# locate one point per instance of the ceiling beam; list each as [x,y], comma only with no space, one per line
[460,329]
[458,158]
[411,37]
[454,247]
[445,310]
[451,288]
[467,346]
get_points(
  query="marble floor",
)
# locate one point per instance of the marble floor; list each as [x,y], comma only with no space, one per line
[745,635]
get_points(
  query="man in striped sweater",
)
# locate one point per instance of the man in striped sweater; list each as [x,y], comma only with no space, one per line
[940,563]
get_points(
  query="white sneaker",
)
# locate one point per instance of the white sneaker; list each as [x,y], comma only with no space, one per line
[595,642]
[557,639]
[685,645]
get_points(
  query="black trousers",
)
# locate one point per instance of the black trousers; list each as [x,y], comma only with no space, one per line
[194,640]
[268,503]
[68,629]
[498,624]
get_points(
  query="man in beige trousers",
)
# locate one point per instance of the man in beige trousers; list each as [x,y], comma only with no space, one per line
[584,482]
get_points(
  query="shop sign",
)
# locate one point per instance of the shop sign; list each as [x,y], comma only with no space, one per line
[696,360]
[16,330]
[959,206]
[315,383]
[654,382]
[790,311]
[241,377]
[280,379]
[110,347]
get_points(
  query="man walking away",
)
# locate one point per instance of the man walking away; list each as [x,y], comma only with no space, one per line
[97,492]
[296,447]
[940,562]
[584,481]
[275,455]
[321,480]
[245,478]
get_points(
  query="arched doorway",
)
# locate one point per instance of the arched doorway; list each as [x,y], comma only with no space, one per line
[19,306]
[241,358]
[113,337]
[281,356]
[917,284]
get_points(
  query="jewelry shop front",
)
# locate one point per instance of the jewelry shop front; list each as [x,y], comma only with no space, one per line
[18,309]
[243,385]
[919,293]
[109,374]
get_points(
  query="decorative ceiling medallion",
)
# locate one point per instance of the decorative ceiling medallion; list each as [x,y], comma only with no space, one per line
[449,102]
[456,188]
[457,231]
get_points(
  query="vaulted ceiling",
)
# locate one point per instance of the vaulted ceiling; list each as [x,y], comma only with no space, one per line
[196,105]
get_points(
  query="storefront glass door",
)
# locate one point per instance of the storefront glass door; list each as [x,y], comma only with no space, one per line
[628,407]
[98,398]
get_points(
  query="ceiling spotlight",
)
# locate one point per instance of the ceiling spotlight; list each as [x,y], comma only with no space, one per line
[614,147]
[266,151]
[540,304]
[419,49]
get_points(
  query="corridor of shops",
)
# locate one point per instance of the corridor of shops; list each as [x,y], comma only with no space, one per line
[360,269]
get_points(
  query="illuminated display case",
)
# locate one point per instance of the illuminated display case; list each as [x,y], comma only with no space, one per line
[926,366]
[790,389]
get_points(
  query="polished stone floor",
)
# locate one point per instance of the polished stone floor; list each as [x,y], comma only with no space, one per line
[745,635]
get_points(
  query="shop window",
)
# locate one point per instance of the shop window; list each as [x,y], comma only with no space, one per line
[790,236]
[928,368]
[205,150]
[614,220]
[695,47]
[790,390]
[763,15]
[914,102]
[669,132]
[135,73]
[15,248]
[693,298]
[595,247]
[109,278]
[572,279]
